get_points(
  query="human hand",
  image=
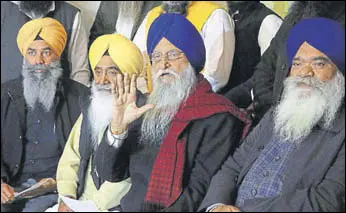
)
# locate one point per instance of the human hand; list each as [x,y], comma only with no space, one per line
[7,193]
[124,109]
[225,208]
[63,207]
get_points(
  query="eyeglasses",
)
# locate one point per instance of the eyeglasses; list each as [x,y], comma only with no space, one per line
[171,55]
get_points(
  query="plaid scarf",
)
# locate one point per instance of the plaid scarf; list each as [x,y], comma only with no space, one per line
[165,184]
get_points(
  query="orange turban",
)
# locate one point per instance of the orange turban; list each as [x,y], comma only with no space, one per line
[50,30]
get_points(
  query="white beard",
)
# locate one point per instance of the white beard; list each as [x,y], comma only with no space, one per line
[157,120]
[100,110]
[301,109]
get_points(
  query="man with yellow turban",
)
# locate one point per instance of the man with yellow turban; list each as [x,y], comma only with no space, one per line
[38,110]
[110,55]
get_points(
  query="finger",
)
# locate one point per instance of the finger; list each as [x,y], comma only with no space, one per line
[144,109]
[114,88]
[120,85]
[4,199]
[8,192]
[133,84]
[127,83]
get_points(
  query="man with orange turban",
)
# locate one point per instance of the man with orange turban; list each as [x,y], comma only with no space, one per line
[110,55]
[38,110]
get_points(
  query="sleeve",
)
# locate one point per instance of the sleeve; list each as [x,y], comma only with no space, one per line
[140,37]
[112,162]
[215,143]
[78,52]
[265,71]
[67,177]
[269,27]
[327,196]
[219,40]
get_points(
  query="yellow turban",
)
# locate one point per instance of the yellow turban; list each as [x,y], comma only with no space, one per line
[124,52]
[50,30]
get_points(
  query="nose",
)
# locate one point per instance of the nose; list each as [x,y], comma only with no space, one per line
[38,59]
[104,79]
[307,71]
[164,64]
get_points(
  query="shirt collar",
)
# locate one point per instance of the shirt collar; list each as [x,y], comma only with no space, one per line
[52,8]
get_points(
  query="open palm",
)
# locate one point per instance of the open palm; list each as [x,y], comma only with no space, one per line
[125,110]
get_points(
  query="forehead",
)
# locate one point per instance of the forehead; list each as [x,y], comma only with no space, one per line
[164,46]
[307,51]
[38,44]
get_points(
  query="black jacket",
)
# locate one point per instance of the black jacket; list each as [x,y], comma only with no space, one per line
[13,121]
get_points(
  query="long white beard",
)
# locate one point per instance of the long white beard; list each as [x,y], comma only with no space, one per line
[167,97]
[128,16]
[100,110]
[301,109]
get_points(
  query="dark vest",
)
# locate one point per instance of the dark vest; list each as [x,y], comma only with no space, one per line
[86,150]
[247,51]
[12,20]
[42,149]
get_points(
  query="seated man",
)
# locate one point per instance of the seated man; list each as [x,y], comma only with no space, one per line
[77,178]
[186,130]
[294,160]
[38,111]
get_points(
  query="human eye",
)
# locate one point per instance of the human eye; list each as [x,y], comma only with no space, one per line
[31,52]
[173,54]
[319,64]
[98,72]
[156,56]
[296,64]
[46,53]
[112,71]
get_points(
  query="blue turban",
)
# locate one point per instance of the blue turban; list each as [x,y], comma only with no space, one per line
[182,34]
[324,34]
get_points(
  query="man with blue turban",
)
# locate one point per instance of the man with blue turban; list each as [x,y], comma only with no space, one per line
[185,130]
[294,160]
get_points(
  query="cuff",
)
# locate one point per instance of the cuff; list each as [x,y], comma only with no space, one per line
[116,140]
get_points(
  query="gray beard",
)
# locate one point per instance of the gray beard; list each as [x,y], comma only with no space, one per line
[301,110]
[41,87]
[167,99]
[179,7]
[100,110]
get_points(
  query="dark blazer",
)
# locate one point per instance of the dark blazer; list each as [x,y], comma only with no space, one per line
[209,142]
[315,175]
[13,120]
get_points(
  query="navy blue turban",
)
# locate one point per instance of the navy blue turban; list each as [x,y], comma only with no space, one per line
[182,34]
[326,35]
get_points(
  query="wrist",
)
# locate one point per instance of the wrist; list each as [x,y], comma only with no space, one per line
[115,130]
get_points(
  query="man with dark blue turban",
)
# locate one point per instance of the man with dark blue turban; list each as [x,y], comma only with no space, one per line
[186,130]
[294,160]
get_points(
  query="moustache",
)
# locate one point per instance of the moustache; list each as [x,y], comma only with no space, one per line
[103,87]
[166,72]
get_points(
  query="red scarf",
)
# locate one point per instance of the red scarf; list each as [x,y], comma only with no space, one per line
[165,184]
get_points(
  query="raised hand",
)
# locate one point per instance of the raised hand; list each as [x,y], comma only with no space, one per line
[125,110]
